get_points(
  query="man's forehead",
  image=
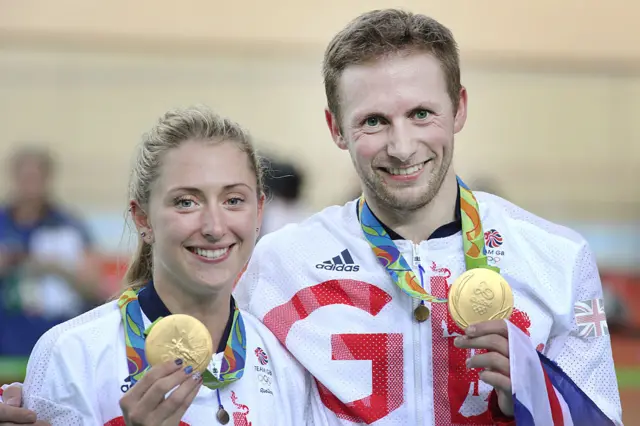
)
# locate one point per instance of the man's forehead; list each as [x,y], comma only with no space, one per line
[402,83]
[394,65]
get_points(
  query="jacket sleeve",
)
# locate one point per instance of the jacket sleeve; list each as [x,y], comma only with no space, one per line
[583,350]
[56,388]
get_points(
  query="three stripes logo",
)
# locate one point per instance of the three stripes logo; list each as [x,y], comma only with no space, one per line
[342,262]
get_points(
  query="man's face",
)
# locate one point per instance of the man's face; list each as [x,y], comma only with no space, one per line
[398,123]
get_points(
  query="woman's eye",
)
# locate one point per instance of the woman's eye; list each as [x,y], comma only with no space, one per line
[184,203]
[235,201]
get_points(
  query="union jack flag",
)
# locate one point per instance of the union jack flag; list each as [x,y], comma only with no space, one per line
[544,394]
[262,356]
[590,318]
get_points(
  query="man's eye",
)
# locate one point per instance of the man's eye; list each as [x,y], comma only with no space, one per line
[373,121]
[422,114]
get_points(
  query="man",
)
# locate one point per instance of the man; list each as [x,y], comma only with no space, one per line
[46,272]
[339,290]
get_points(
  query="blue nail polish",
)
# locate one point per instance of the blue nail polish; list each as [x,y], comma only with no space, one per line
[178,361]
[188,370]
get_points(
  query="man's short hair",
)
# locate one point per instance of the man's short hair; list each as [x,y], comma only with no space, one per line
[380,33]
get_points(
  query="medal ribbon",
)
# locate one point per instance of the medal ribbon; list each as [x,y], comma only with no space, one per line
[235,351]
[475,254]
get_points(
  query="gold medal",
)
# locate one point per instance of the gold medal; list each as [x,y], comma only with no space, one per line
[421,313]
[180,336]
[480,294]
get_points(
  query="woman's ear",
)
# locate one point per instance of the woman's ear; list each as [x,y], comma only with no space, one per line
[141,220]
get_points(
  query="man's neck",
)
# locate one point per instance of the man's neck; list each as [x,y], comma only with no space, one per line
[418,225]
[212,310]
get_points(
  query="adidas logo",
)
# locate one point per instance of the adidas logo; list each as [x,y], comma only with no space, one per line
[342,262]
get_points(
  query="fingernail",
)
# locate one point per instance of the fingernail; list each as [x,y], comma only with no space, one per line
[470,330]
[178,361]
[188,370]
[467,362]
[460,339]
[197,376]
[14,402]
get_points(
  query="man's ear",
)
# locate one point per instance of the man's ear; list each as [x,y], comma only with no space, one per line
[461,114]
[334,129]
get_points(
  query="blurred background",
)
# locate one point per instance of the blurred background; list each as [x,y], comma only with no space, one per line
[554,96]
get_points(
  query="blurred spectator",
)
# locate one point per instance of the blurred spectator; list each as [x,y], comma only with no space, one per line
[47,273]
[283,182]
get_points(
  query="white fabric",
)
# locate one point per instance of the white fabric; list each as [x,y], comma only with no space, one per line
[528,376]
[76,373]
[335,317]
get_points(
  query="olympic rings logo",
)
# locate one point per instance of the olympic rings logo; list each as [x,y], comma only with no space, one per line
[263,378]
[495,259]
[484,291]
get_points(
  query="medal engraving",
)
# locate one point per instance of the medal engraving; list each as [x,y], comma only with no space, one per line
[479,294]
[180,336]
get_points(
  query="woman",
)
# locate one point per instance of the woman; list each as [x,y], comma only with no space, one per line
[196,201]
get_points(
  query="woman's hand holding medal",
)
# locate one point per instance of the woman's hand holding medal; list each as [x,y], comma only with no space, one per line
[145,403]
[179,349]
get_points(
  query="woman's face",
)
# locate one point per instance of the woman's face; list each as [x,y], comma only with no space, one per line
[204,212]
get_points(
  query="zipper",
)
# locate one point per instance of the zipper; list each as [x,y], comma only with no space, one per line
[415,256]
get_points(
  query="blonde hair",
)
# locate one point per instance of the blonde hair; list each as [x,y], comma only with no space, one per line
[171,130]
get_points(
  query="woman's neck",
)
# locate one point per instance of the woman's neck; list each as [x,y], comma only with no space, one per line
[212,310]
